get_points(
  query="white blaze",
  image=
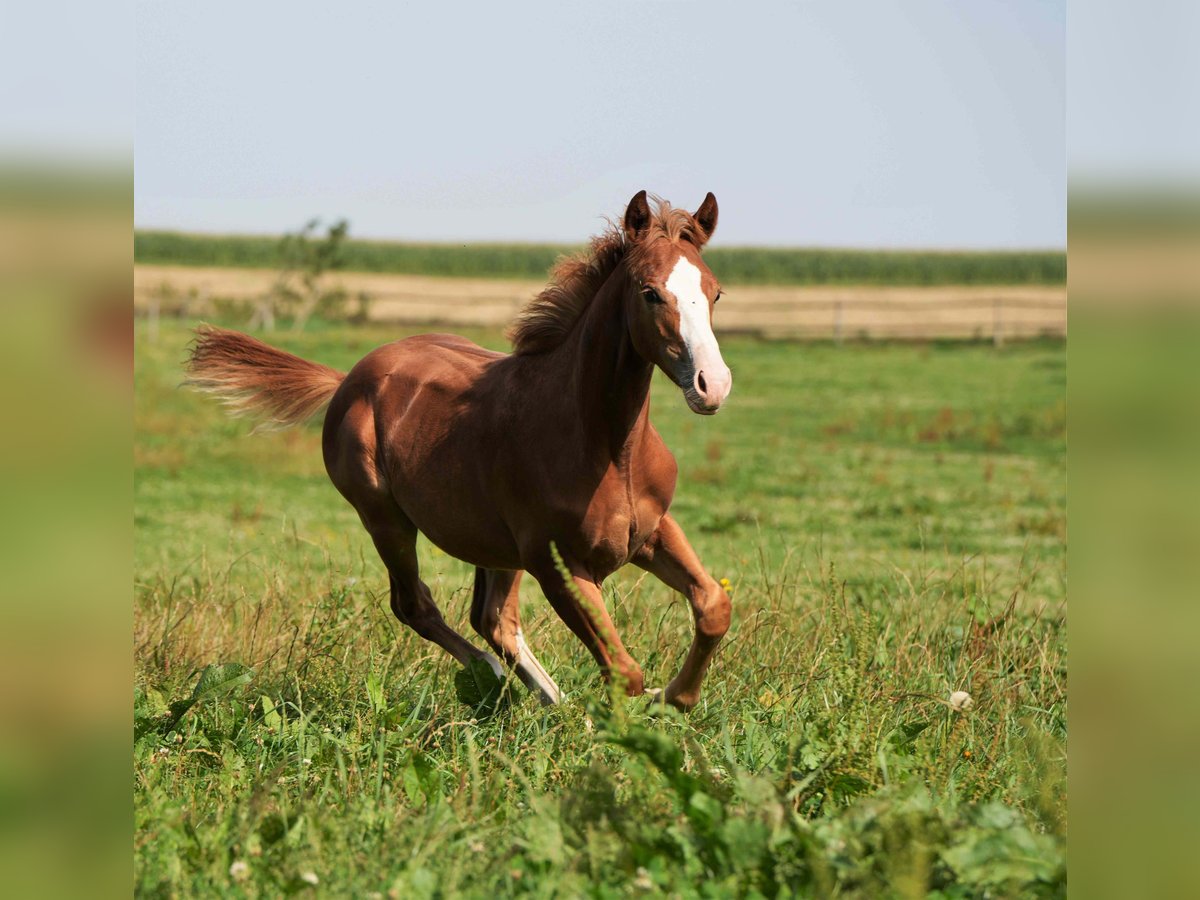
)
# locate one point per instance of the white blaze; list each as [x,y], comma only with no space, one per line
[695,325]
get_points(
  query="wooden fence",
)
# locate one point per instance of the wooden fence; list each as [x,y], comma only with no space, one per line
[996,313]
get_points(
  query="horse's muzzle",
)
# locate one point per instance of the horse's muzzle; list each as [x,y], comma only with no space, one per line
[709,388]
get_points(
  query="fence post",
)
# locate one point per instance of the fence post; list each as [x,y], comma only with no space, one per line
[837,321]
[997,323]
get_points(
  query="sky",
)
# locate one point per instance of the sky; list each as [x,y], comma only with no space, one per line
[1134,72]
[907,124]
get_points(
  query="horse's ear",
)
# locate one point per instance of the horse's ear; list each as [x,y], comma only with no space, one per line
[706,217]
[637,216]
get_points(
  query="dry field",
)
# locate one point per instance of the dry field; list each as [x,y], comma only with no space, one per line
[866,311]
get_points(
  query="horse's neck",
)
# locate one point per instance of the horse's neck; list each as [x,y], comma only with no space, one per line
[610,381]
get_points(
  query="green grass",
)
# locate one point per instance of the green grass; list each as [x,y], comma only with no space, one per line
[892,521]
[737,265]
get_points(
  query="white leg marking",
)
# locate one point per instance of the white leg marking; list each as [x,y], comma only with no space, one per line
[495,664]
[528,663]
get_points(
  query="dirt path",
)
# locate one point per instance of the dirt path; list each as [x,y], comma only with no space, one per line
[815,311]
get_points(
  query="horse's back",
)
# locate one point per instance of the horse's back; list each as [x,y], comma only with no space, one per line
[420,383]
[412,423]
[425,356]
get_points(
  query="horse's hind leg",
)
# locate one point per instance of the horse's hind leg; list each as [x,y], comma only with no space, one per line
[496,615]
[395,538]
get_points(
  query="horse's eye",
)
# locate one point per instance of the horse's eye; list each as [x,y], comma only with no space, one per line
[652,295]
[718,297]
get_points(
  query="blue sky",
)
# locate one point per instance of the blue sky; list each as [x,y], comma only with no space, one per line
[916,124]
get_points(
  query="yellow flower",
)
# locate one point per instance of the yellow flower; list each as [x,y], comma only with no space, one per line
[726,583]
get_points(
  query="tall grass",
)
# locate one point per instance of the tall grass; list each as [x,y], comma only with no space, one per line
[823,760]
[742,265]
[891,522]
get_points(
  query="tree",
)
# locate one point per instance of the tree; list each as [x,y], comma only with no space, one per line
[301,289]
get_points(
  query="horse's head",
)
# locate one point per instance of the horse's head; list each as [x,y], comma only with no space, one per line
[670,308]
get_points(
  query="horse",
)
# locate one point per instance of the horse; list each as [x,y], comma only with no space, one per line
[541,461]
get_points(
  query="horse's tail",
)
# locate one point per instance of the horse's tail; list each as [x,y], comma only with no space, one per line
[255,379]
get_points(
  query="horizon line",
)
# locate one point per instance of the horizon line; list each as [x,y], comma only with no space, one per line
[502,242]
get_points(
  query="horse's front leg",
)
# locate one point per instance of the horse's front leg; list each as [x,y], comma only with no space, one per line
[581,606]
[669,556]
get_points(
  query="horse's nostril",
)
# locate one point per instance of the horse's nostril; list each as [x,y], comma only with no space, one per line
[700,383]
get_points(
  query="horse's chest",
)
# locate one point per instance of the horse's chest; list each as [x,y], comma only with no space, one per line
[620,518]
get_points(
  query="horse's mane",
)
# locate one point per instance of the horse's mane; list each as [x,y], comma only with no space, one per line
[548,318]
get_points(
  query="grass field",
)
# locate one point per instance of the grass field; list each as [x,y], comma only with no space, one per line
[737,265]
[891,519]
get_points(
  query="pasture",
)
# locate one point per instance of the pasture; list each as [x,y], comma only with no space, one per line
[891,521]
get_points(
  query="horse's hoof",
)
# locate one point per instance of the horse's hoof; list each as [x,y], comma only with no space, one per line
[656,695]
[682,702]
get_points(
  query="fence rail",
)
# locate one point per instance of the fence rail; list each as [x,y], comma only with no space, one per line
[839,313]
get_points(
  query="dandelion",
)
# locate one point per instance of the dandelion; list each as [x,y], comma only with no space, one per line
[961,701]
[643,881]
[726,584]
[239,870]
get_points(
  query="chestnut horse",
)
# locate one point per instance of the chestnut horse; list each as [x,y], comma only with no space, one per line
[495,457]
